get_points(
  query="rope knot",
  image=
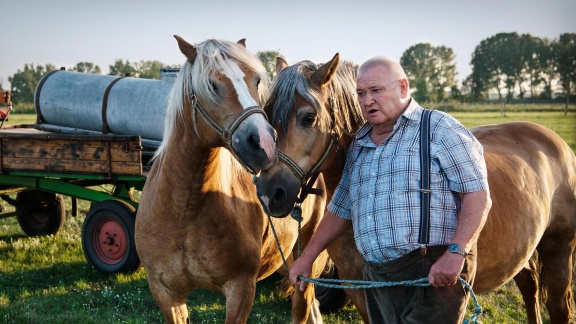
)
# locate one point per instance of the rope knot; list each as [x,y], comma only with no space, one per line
[297,213]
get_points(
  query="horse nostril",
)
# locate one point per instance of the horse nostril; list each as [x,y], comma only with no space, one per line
[253,142]
[279,196]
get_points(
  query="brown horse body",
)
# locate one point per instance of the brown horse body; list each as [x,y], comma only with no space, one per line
[199,224]
[530,234]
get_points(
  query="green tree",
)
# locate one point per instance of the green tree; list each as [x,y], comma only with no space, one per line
[545,66]
[148,69]
[268,59]
[497,63]
[566,62]
[86,67]
[430,70]
[121,68]
[23,82]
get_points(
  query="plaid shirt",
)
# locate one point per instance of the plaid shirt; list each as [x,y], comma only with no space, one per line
[379,188]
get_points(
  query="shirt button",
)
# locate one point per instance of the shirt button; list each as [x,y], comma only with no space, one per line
[373,174]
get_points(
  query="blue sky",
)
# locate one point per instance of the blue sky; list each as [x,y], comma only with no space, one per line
[65,32]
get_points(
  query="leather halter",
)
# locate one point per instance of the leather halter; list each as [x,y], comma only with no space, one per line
[307,179]
[226,133]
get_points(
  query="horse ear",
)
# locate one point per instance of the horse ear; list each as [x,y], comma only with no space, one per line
[325,73]
[242,42]
[281,64]
[186,48]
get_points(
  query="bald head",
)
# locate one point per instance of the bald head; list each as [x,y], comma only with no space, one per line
[393,67]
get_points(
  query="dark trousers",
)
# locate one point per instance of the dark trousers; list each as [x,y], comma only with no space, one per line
[409,304]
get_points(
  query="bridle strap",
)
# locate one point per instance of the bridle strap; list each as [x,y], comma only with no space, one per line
[308,179]
[226,134]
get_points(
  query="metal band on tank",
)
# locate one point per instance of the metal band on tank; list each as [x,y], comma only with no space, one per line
[39,118]
[105,128]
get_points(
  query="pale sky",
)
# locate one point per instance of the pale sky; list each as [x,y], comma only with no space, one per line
[65,32]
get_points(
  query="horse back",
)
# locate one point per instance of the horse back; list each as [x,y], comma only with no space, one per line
[531,147]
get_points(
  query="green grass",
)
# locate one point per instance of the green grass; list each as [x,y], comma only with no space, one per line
[47,279]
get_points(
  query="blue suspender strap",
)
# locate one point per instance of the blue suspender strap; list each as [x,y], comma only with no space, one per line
[425,191]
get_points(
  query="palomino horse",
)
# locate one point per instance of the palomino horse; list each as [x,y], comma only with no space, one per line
[199,223]
[530,234]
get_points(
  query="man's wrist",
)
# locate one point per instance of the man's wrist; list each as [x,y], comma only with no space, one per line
[456,249]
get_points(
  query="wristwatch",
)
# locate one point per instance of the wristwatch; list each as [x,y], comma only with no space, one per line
[455,248]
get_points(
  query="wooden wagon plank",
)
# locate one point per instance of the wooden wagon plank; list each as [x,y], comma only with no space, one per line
[65,149]
[71,166]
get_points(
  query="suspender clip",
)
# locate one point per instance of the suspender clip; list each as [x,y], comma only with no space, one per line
[423,249]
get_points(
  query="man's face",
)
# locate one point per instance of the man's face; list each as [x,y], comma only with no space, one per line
[381,97]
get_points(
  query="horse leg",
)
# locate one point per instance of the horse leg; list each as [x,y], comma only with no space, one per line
[557,278]
[305,307]
[173,307]
[527,282]
[239,295]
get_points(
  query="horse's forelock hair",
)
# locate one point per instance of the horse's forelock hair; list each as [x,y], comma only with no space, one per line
[290,82]
[212,56]
[341,92]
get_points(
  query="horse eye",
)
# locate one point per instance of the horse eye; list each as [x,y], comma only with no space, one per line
[257,82]
[309,120]
[213,86]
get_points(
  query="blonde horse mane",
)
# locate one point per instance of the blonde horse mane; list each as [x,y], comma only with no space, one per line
[213,56]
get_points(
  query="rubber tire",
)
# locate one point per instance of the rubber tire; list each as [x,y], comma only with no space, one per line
[40,212]
[331,299]
[115,253]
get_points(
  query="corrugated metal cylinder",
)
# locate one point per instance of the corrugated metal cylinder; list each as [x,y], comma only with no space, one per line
[132,106]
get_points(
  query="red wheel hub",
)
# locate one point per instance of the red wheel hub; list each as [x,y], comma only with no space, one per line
[110,241]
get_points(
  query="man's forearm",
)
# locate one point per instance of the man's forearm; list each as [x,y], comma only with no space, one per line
[329,229]
[472,217]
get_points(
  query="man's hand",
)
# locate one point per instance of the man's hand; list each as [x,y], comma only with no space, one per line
[301,267]
[446,270]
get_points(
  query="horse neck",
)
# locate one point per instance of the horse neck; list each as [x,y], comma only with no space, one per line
[334,173]
[188,160]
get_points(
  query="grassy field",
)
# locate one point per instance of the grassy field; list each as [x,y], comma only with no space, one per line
[47,279]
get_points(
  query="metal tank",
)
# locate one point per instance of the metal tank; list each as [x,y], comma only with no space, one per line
[103,103]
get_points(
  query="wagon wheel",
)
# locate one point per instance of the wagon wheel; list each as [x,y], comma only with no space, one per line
[331,299]
[40,212]
[108,237]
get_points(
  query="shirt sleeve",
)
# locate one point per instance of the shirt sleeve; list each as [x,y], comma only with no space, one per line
[340,203]
[461,156]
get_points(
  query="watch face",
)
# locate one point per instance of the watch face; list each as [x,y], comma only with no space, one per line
[455,248]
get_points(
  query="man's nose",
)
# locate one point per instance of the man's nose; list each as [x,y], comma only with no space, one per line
[368,98]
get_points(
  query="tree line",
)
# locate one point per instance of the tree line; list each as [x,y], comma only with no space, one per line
[505,64]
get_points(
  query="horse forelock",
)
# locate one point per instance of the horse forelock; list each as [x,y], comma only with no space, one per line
[289,83]
[212,57]
[294,81]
